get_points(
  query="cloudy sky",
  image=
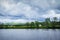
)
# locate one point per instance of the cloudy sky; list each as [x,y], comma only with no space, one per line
[28,10]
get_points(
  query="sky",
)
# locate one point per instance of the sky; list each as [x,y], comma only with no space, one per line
[28,10]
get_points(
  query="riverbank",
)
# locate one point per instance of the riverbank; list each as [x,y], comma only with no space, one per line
[27,27]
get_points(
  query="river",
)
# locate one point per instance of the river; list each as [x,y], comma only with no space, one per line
[29,34]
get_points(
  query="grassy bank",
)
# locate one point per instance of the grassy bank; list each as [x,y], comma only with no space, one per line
[25,27]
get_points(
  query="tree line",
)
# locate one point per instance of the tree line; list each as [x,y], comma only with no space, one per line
[36,24]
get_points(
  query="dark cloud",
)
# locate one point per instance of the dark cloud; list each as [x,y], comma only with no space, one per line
[1,14]
[58,7]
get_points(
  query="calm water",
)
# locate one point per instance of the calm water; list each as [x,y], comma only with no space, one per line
[29,34]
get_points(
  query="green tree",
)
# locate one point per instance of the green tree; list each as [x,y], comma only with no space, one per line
[54,22]
[37,24]
[28,24]
[32,24]
[59,20]
[1,26]
[47,22]
[55,19]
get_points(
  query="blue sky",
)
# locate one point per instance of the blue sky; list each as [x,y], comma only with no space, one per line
[28,10]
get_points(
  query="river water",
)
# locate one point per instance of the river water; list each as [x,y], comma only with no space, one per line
[29,34]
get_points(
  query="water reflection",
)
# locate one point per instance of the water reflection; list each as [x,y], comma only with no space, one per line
[29,34]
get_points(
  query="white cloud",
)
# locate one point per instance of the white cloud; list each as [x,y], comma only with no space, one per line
[18,9]
[5,3]
[15,21]
[41,3]
[27,10]
[51,14]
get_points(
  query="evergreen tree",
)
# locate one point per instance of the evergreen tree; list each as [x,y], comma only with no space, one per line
[47,22]
[27,24]
[37,24]
[32,24]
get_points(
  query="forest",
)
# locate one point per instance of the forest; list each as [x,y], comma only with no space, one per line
[47,24]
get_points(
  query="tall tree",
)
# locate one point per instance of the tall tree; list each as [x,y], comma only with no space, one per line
[47,22]
[28,24]
[32,24]
[55,19]
[37,24]
[54,22]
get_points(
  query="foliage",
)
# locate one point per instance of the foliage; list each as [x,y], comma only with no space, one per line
[46,24]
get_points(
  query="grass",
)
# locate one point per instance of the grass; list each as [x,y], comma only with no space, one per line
[27,27]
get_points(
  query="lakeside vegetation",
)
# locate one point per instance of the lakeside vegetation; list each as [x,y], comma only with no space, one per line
[47,24]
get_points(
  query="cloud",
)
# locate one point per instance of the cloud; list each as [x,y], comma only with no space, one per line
[28,10]
[51,14]
[19,9]
[15,21]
